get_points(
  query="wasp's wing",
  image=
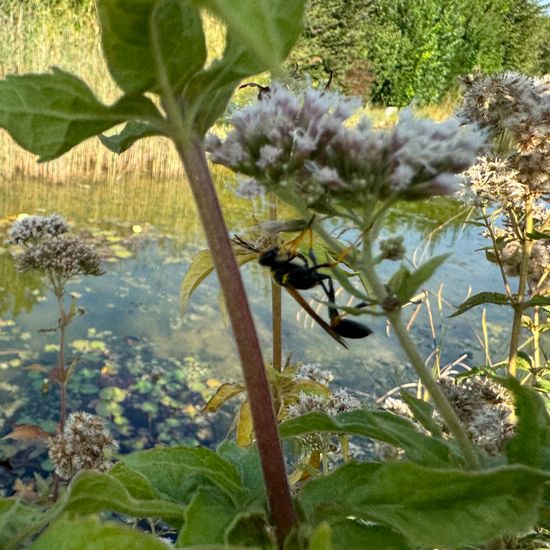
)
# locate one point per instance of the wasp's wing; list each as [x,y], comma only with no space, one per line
[311,312]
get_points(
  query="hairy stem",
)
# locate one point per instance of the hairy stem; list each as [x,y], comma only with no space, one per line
[259,396]
[519,306]
[441,402]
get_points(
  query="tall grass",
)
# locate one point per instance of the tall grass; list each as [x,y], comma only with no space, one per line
[37,35]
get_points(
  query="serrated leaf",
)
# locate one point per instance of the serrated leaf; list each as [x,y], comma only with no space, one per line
[144,38]
[207,518]
[223,394]
[245,429]
[176,473]
[481,298]
[430,507]
[92,492]
[531,444]
[268,28]
[132,132]
[87,533]
[50,113]
[422,411]
[379,425]
[417,278]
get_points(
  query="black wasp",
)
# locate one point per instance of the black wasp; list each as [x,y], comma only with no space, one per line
[292,270]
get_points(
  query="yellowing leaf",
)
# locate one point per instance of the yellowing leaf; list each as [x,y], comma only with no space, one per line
[223,394]
[245,428]
[27,432]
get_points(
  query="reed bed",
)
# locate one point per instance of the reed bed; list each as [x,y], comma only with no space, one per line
[36,37]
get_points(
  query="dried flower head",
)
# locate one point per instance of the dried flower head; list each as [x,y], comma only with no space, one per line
[35,228]
[336,403]
[313,371]
[485,408]
[84,444]
[495,180]
[303,143]
[507,101]
[538,266]
[392,249]
[62,257]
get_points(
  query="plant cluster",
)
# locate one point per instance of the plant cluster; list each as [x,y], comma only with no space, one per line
[395,51]
[341,179]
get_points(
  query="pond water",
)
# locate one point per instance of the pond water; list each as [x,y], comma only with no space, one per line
[146,368]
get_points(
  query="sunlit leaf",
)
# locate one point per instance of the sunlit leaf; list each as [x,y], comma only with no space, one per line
[268,28]
[431,507]
[223,394]
[148,38]
[48,114]
[245,429]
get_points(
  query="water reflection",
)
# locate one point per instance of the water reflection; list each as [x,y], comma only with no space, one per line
[146,369]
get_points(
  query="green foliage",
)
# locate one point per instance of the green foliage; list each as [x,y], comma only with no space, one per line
[89,534]
[396,51]
[431,507]
[379,425]
[49,114]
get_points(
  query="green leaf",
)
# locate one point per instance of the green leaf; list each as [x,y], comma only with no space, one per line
[15,516]
[146,40]
[223,394]
[89,534]
[137,485]
[347,534]
[416,279]
[50,113]
[250,529]
[321,538]
[268,28]
[91,492]
[379,425]
[207,517]
[132,132]
[247,462]
[201,266]
[430,507]
[422,411]
[538,301]
[531,444]
[176,473]
[481,298]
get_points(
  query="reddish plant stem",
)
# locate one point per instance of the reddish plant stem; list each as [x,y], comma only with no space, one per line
[259,396]
[276,305]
